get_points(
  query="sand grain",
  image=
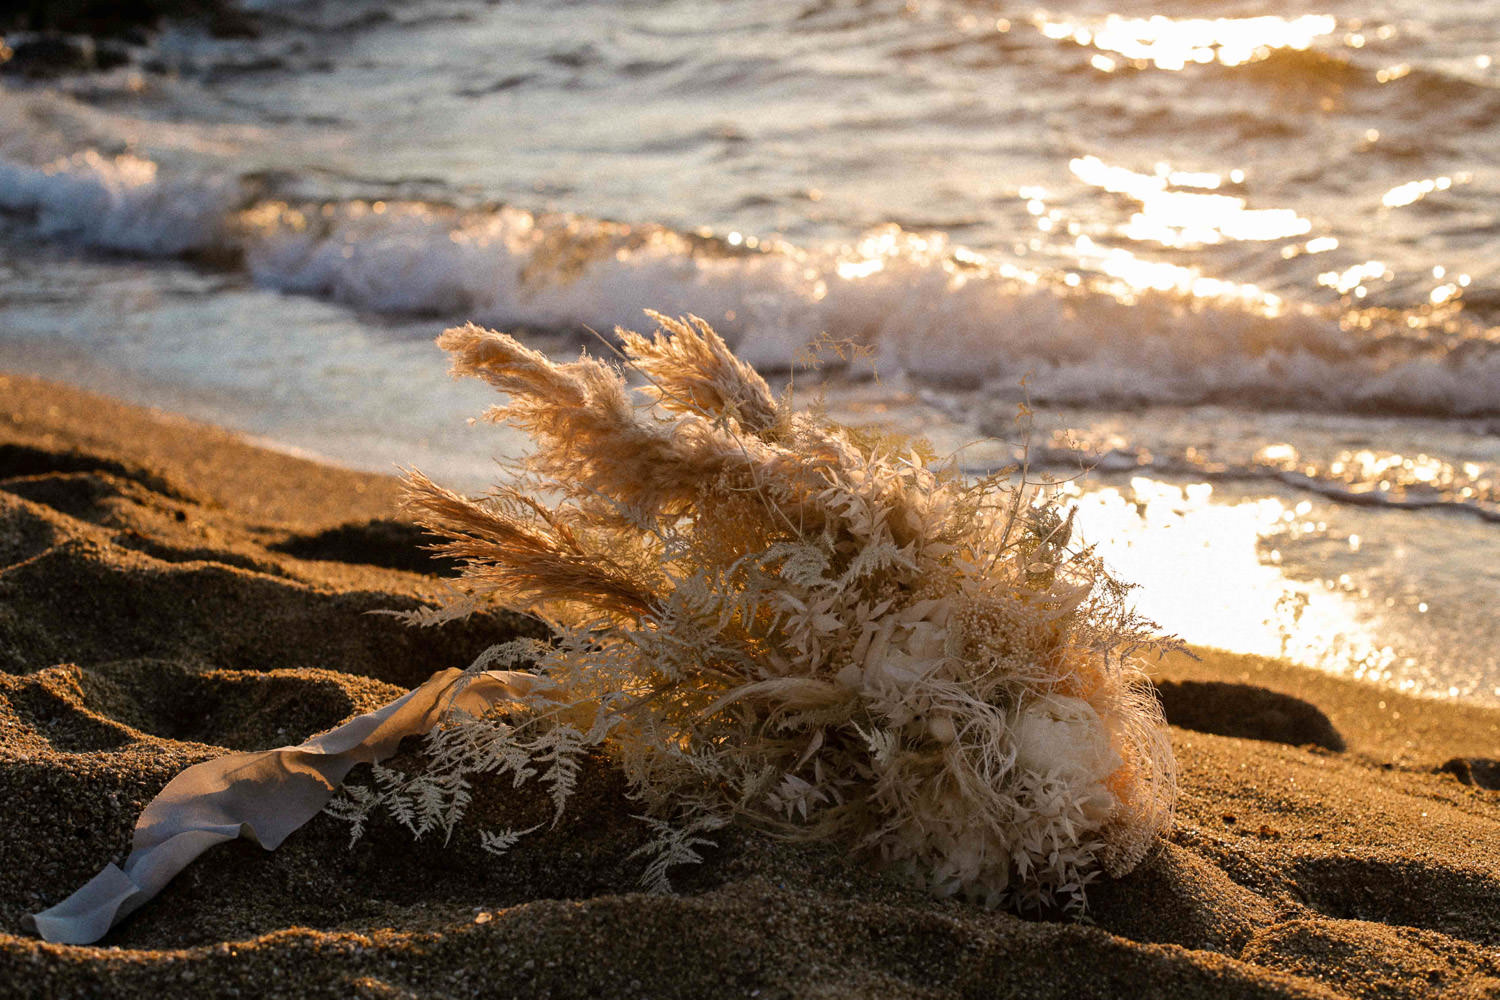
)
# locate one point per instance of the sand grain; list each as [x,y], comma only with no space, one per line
[169,592]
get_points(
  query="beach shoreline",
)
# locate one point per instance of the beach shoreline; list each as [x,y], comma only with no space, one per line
[170,591]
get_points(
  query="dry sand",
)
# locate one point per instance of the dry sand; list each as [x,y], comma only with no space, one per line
[168,591]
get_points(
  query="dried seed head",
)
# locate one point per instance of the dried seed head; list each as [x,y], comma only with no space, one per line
[771,618]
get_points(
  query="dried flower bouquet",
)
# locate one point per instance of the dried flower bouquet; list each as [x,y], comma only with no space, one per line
[766,617]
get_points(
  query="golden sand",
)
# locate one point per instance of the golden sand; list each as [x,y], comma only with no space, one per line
[168,592]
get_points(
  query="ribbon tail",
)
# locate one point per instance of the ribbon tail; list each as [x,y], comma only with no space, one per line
[263,796]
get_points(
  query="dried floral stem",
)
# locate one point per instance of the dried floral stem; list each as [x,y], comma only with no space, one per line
[765,616]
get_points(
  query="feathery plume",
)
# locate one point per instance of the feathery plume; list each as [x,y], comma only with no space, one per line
[767,618]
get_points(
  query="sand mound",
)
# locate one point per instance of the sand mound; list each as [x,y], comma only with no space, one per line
[379,542]
[1481,771]
[151,616]
[1247,711]
[97,568]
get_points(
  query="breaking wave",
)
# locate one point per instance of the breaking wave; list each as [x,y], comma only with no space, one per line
[1116,329]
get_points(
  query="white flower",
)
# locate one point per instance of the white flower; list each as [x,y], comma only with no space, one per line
[1064,739]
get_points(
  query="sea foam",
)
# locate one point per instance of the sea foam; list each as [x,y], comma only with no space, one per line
[119,203]
[1112,331]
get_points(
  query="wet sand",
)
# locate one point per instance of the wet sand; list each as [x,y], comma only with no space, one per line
[169,591]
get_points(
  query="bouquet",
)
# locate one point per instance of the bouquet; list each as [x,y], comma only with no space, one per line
[763,618]
[768,618]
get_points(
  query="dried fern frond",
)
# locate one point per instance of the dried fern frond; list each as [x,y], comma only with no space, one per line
[766,618]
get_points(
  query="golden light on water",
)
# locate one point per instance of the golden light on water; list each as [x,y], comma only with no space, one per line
[1414,191]
[1175,43]
[119,172]
[1207,572]
[1140,275]
[1353,279]
[891,246]
[1357,279]
[1180,218]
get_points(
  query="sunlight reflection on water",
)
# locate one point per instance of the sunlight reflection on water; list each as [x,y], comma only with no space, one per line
[1186,218]
[1174,43]
[1207,572]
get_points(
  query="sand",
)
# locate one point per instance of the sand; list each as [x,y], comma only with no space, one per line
[169,591]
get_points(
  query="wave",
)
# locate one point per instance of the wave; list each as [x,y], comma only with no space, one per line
[1115,329]
[1308,59]
[1403,91]
[1310,68]
[120,203]
[1364,478]
[1402,463]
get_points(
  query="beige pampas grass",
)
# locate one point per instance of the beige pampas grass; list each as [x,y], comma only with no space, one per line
[767,618]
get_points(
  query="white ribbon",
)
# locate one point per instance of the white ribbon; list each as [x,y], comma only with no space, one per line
[263,796]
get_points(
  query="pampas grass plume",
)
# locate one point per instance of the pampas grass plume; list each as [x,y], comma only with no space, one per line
[770,619]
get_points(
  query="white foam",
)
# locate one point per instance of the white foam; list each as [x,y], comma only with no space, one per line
[119,203]
[922,306]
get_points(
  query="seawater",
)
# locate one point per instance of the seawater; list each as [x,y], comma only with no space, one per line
[1242,268]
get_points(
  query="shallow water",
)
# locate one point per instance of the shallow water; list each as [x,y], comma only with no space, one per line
[1241,265]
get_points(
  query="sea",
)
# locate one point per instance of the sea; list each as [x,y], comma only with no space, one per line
[1225,275]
